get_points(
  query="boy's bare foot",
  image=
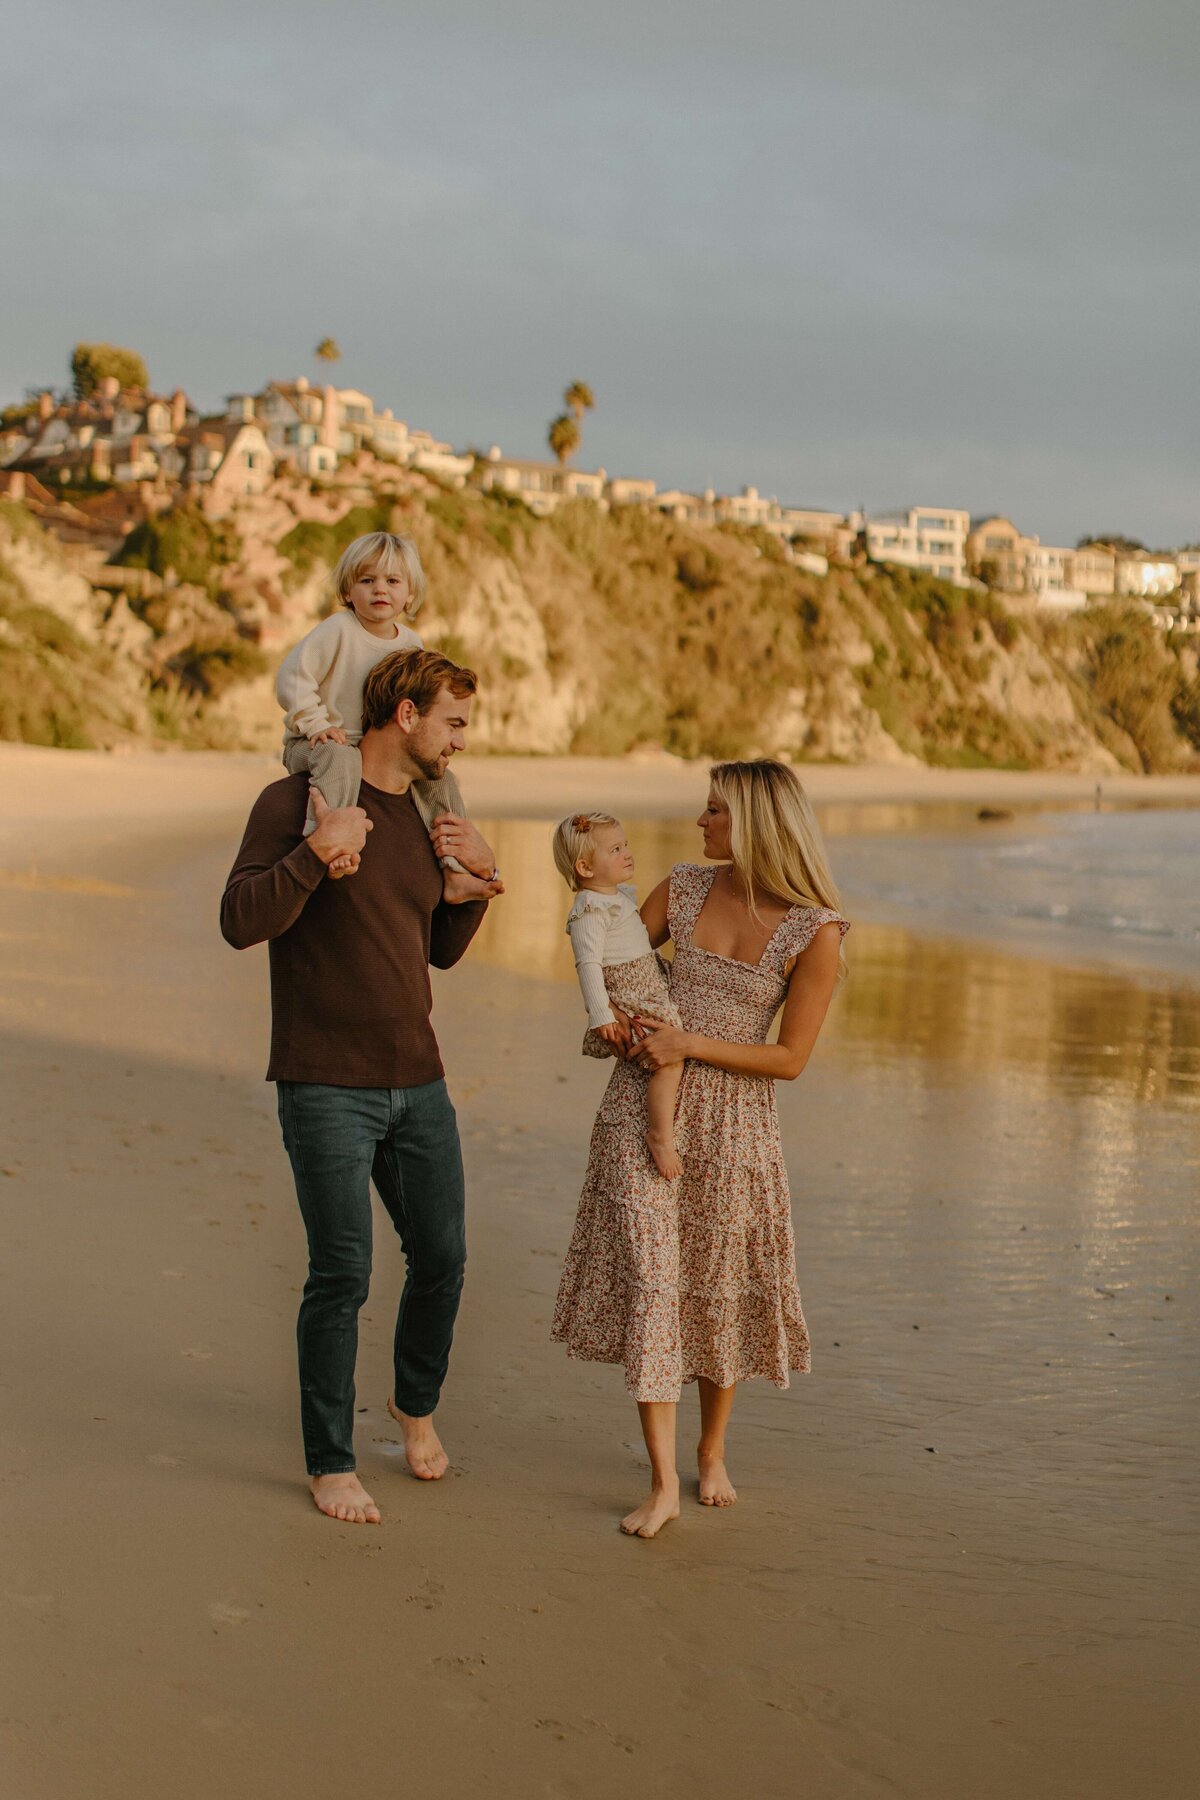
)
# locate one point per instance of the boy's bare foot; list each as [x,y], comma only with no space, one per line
[459,885]
[422,1445]
[343,865]
[344,1497]
[666,1157]
[716,1489]
[648,1519]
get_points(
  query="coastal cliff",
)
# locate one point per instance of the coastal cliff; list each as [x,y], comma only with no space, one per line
[592,632]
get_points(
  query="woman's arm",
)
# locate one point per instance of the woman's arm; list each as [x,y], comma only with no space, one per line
[654,915]
[810,990]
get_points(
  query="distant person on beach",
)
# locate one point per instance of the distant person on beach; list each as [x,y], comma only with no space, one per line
[361,1089]
[380,584]
[614,961]
[695,1279]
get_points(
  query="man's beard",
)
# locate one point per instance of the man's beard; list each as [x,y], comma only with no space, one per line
[426,758]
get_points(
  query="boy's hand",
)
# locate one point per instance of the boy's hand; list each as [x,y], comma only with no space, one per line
[340,830]
[332,734]
[612,1034]
[457,837]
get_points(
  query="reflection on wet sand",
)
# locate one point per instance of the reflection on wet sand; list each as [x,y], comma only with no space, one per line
[960,1005]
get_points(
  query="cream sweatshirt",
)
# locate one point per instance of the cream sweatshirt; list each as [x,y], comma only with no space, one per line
[604,929]
[320,682]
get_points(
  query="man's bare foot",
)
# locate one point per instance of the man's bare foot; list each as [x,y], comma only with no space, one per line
[459,885]
[666,1157]
[648,1519]
[422,1445]
[344,1497]
[716,1489]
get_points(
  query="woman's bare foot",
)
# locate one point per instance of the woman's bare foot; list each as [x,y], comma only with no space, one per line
[666,1157]
[459,885]
[344,1497]
[646,1520]
[422,1445]
[716,1489]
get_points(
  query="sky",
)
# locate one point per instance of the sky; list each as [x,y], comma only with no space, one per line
[880,252]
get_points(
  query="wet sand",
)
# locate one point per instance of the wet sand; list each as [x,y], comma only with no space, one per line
[960,1566]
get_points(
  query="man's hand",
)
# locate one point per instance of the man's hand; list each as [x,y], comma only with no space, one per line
[453,836]
[340,830]
[332,734]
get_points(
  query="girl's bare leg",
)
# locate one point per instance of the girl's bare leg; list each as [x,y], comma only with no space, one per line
[716,1404]
[661,1092]
[658,1428]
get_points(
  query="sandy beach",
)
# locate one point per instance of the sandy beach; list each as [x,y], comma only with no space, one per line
[960,1568]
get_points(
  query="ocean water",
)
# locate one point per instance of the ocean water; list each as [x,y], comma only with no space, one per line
[1055,952]
[1120,887]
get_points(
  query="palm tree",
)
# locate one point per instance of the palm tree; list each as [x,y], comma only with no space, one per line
[327,351]
[563,436]
[579,399]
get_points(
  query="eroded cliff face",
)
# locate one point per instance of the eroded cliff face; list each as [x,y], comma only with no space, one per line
[602,633]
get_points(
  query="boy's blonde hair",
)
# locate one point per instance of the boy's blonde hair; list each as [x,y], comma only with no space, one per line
[380,550]
[573,838]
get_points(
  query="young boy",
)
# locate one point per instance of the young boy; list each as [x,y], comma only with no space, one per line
[380,584]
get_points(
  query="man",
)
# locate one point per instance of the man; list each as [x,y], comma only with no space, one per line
[361,1088]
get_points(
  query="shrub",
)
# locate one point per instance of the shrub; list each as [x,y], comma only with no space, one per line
[197,549]
[1136,681]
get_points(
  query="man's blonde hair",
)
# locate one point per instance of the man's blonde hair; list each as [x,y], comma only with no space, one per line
[377,550]
[774,837]
[574,838]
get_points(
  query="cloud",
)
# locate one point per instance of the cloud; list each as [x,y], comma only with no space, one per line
[843,253]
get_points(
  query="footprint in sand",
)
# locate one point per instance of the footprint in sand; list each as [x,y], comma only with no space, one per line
[223,1612]
[428,1595]
[162,1461]
[197,1355]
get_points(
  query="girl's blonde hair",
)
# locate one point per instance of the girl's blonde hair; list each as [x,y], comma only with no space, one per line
[574,838]
[380,550]
[774,837]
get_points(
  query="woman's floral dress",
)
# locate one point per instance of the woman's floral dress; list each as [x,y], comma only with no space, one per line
[676,1279]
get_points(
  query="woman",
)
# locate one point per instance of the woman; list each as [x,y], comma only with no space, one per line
[695,1279]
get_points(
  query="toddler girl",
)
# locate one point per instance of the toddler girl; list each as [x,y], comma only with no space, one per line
[380,583]
[614,960]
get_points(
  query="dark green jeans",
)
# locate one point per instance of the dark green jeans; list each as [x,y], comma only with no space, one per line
[339,1139]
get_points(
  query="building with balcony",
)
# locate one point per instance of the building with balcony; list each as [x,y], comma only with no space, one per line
[543,486]
[930,538]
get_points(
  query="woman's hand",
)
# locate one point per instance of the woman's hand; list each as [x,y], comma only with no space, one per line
[658,1044]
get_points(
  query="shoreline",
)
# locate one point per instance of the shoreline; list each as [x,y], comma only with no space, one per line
[537,787]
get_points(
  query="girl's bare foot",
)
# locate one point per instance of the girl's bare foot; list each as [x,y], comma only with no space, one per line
[716,1489]
[344,1497]
[666,1157]
[422,1446]
[646,1520]
[343,865]
[459,885]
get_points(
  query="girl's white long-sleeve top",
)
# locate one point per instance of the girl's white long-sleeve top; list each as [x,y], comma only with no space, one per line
[320,681]
[604,929]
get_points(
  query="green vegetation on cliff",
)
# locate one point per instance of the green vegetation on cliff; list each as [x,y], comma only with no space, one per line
[598,632]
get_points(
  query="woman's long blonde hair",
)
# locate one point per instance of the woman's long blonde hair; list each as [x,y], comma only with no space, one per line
[774,838]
